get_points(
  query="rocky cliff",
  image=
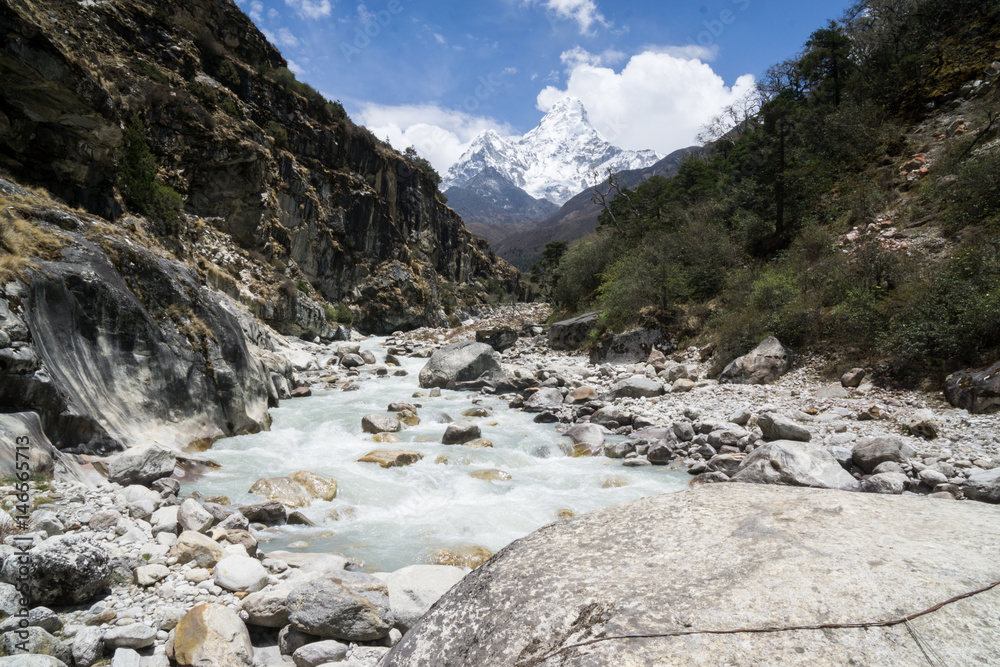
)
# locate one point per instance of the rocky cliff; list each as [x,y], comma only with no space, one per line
[254,154]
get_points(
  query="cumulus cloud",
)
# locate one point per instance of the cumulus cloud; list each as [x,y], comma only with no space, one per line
[286,38]
[256,11]
[440,135]
[584,12]
[660,99]
[311,9]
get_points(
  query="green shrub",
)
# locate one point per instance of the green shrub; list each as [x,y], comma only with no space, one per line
[229,106]
[343,315]
[227,74]
[975,197]
[137,180]
[303,286]
[204,93]
[580,271]
[278,133]
[152,72]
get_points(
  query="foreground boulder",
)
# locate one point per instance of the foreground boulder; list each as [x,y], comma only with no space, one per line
[211,634]
[413,589]
[763,365]
[802,556]
[792,463]
[462,362]
[353,607]
[64,570]
[984,486]
[871,452]
[637,386]
[976,391]
[141,465]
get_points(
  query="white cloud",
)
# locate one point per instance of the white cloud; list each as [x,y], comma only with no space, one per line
[311,9]
[580,56]
[584,12]
[256,11]
[440,135]
[272,13]
[286,38]
[295,68]
[659,100]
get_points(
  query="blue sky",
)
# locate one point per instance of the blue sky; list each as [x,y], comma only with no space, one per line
[436,74]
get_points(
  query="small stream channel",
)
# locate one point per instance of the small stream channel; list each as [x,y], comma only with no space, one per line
[390,518]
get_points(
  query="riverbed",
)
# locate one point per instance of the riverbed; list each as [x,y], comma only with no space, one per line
[390,518]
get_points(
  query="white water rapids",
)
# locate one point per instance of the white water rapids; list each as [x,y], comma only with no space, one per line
[390,518]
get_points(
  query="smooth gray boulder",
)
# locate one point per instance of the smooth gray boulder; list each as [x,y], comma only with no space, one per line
[320,653]
[546,398]
[141,465]
[978,391]
[984,486]
[572,333]
[893,483]
[136,635]
[461,362]
[763,365]
[192,516]
[778,427]
[586,434]
[240,573]
[637,386]
[870,452]
[64,570]
[267,608]
[791,556]
[413,589]
[354,607]
[31,661]
[792,463]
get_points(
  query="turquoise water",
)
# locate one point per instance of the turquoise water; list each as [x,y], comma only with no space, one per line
[390,518]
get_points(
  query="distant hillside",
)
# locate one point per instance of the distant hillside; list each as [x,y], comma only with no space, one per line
[578,216]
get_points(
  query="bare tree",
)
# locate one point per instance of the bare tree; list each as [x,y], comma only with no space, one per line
[735,118]
[606,190]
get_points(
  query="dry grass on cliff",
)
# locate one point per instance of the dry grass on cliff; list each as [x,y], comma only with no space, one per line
[20,241]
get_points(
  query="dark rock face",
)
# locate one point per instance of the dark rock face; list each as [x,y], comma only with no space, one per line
[360,222]
[765,364]
[976,391]
[629,570]
[461,363]
[65,570]
[627,348]
[131,349]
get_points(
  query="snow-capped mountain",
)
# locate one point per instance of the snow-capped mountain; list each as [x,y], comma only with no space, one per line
[555,161]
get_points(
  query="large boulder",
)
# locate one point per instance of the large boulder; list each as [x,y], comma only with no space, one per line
[782,557]
[298,489]
[778,427]
[546,398]
[628,348]
[63,570]
[211,634]
[792,463]
[460,433]
[34,640]
[240,573]
[571,334]
[195,547]
[267,608]
[379,423]
[141,465]
[637,386]
[499,338]
[870,452]
[763,365]
[391,458]
[413,589]
[978,391]
[353,607]
[462,362]
[984,486]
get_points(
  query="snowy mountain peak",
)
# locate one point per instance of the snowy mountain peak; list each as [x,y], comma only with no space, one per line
[554,161]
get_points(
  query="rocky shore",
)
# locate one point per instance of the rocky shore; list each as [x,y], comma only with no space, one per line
[133,570]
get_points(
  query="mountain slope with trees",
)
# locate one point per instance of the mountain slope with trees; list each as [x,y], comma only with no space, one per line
[853,202]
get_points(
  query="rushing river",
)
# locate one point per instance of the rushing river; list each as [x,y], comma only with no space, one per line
[390,518]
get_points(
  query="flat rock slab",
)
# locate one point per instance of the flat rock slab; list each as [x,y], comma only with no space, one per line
[729,557]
